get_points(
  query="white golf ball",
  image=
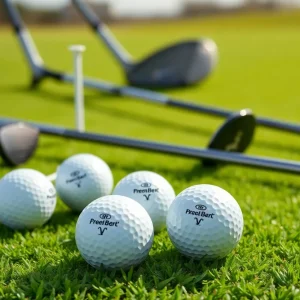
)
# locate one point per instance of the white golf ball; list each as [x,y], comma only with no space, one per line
[114,231]
[205,221]
[152,191]
[27,199]
[81,179]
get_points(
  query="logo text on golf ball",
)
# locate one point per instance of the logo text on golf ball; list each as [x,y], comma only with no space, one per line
[76,178]
[200,207]
[200,213]
[146,191]
[104,222]
[75,173]
[105,216]
[142,191]
[52,193]
[198,221]
[102,230]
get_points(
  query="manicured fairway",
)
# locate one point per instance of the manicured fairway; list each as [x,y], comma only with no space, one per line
[258,69]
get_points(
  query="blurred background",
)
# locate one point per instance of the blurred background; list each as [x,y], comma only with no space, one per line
[258,42]
[112,10]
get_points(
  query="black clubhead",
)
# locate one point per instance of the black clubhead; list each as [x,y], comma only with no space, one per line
[180,64]
[235,135]
[18,142]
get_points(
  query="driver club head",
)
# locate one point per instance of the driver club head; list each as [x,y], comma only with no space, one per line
[235,135]
[180,64]
[18,142]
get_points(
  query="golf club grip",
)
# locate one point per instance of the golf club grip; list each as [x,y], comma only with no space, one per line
[104,33]
[92,19]
[199,153]
[13,15]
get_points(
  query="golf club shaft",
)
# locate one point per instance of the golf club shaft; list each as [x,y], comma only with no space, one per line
[151,96]
[25,39]
[200,153]
[102,30]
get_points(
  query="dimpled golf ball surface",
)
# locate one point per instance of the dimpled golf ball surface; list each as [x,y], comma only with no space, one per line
[27,199]
[205,221]
[114,231]
[152,191]
[81,179]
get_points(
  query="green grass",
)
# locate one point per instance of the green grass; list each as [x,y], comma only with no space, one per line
[258,68]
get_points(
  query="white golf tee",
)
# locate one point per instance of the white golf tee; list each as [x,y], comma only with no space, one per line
[52,177]
[78,86]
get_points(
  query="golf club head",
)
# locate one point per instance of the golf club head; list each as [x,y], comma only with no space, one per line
[235,135]
[181,64]
[18,143]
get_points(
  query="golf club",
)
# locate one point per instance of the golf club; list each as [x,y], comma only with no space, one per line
[40,72]
[18,141]
[235,134]
[183,63]
[207,154]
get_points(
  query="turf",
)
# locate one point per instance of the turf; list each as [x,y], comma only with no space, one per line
[258,68]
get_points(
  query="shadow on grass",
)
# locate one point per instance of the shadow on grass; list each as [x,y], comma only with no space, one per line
[294,149]
[171,267]
[116,112]
[8,233]
[61,218]
[4,164]
[51,159]
[58,219]
[166,90]
[150,120]
[49,144]
[255,179]
[164,269]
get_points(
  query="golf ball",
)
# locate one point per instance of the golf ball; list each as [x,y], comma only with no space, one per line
[27,199]
[114,231]
[81,179]
[205,221]
[152,191]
